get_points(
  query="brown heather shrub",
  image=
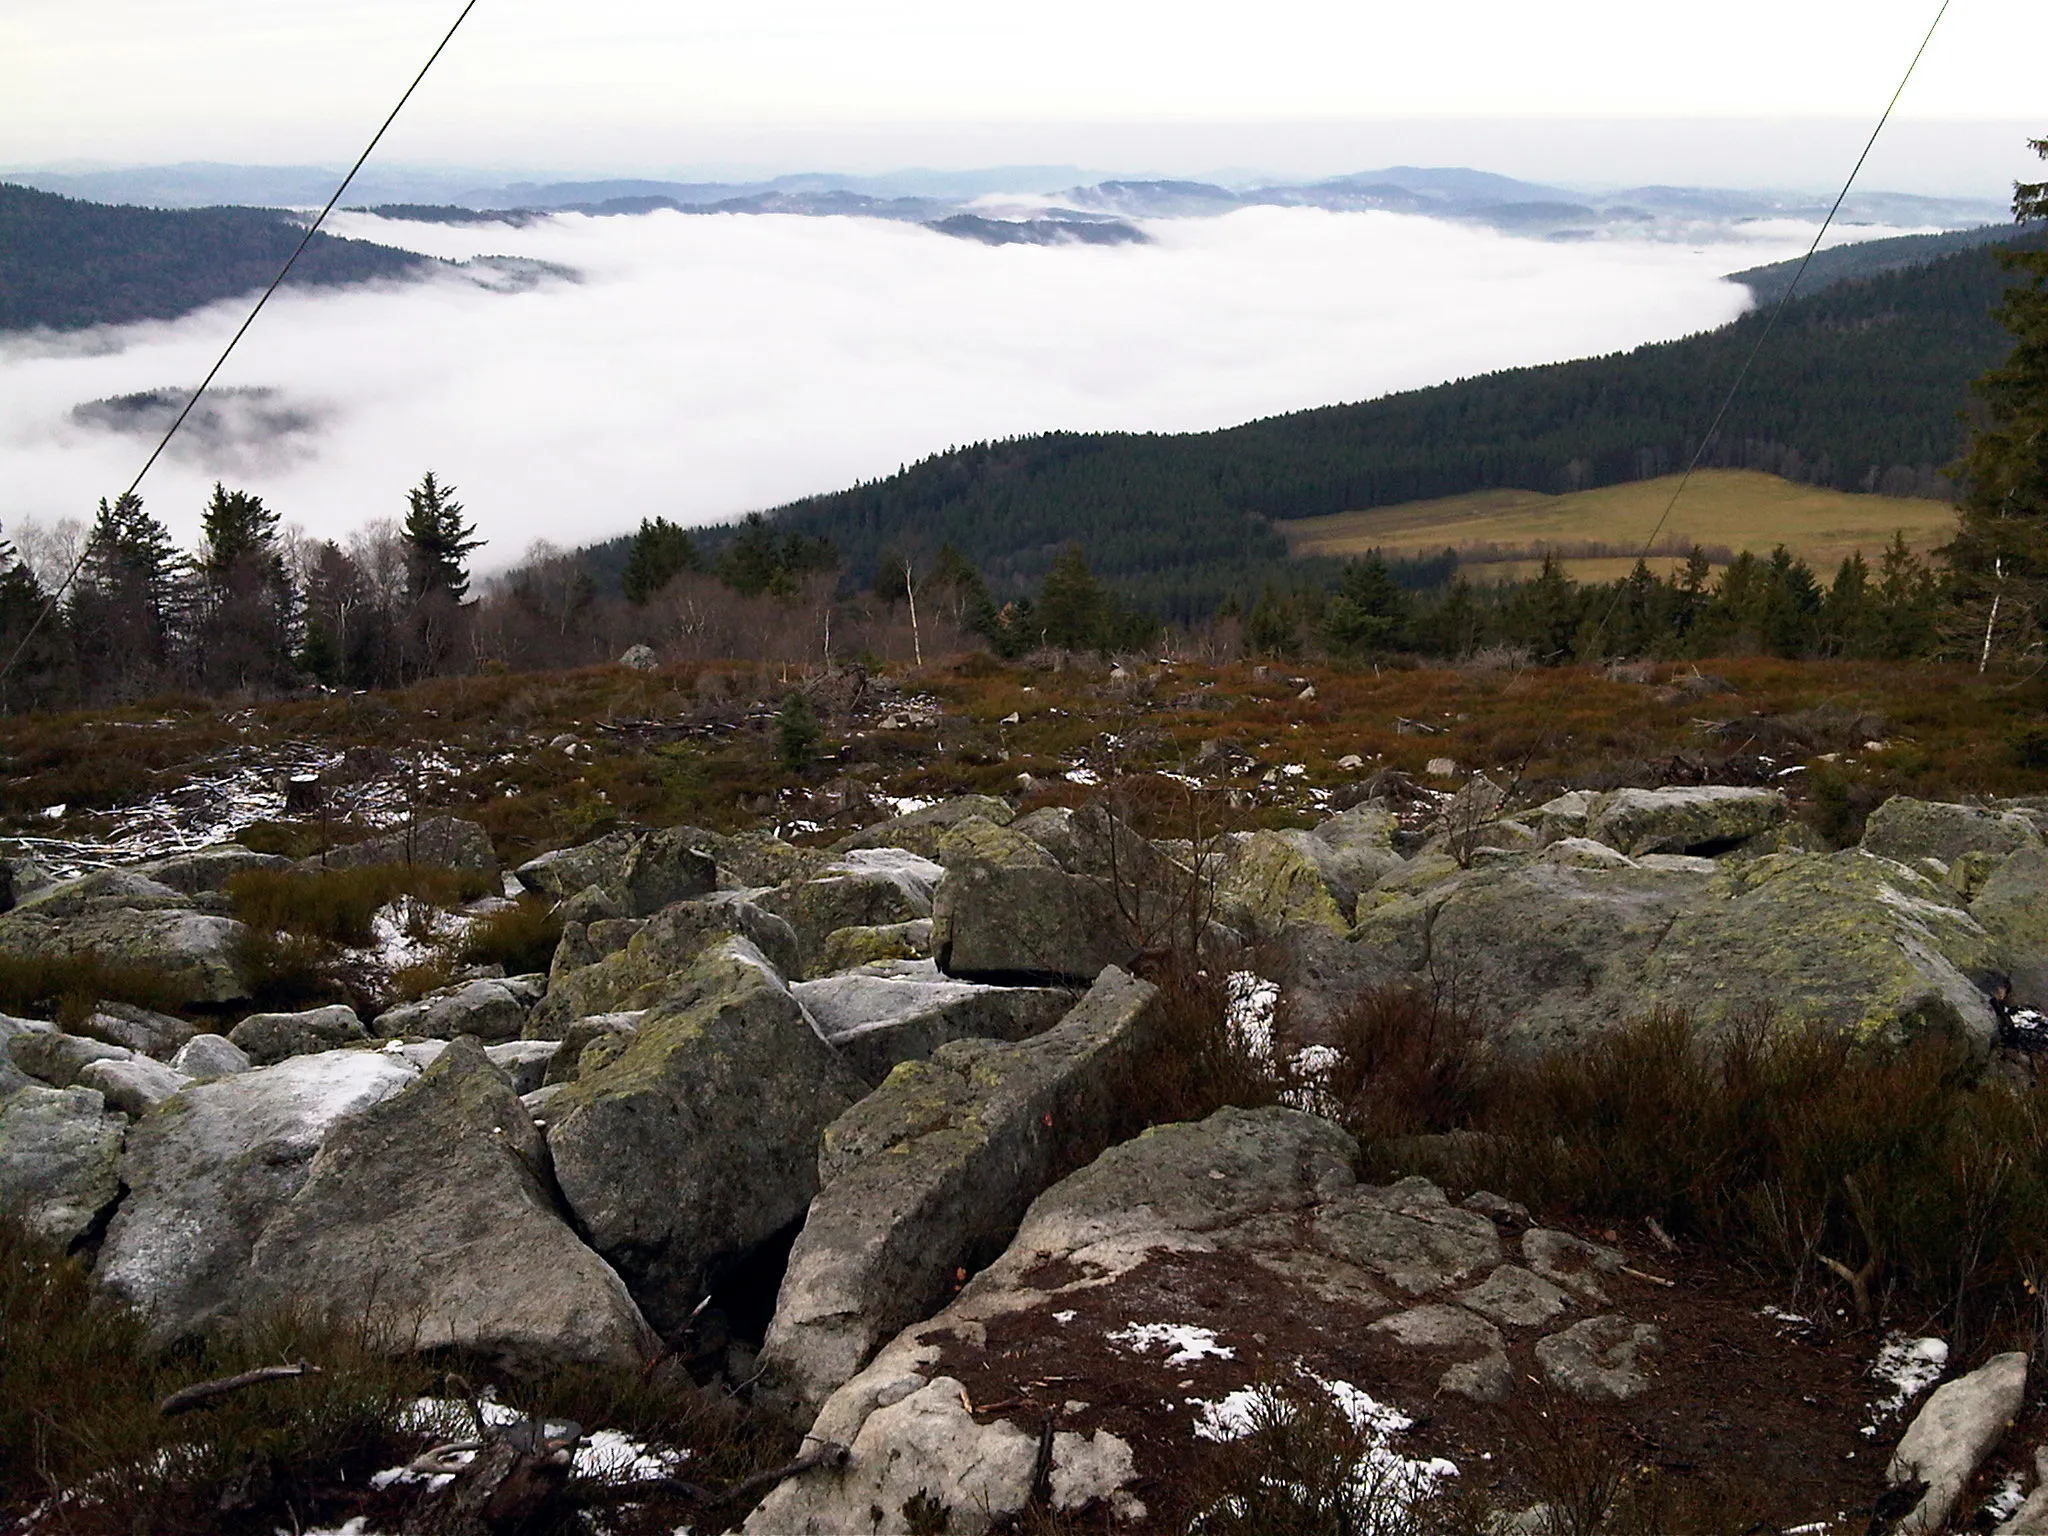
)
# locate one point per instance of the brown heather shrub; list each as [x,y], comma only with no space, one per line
[1790,1147]
[521,937]
[78,1413]
[68,988]
[337,905]
[1202,1064]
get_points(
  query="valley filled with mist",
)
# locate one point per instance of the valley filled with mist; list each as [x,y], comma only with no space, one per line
[581,370]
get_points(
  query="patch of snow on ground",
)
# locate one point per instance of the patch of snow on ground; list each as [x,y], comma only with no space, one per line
[1908,1367]
[609,1454]
[1251,1003]
[904,805]
[409,932]
[1382,1470]
[1087,776]
[1188,1342]
[2006,1499]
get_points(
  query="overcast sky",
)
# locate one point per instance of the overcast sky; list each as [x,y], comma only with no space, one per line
[1289,86]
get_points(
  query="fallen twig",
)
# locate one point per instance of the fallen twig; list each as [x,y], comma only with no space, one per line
[1653,1279]
[828,1454]
[201,1394]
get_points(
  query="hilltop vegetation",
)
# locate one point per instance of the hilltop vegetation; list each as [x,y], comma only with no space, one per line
[66,264]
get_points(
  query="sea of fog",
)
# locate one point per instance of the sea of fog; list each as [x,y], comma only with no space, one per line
[706,365]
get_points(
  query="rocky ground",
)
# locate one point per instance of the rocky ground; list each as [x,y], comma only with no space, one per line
[905,1133]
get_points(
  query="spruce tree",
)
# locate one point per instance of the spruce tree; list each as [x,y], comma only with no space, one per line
[130,607]
[660,552]
[437,542]
[1998,561]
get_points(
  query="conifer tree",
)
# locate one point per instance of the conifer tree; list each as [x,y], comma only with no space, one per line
[1998,561]
[437,542]
[660,552]
[130,605]
[243,633]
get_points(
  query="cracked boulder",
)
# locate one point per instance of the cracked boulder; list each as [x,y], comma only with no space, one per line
[428,1216]
[1703,819]
[60,1160]
[875,1022]
[643,959]
[208,1170]
[699,1140]
[929,1175]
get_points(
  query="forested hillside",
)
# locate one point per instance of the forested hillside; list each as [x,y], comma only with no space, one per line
[66,264]
[1861,387]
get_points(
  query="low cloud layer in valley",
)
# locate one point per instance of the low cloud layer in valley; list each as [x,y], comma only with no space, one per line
[705,365]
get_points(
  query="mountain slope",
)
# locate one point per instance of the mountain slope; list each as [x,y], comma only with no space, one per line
[66,264]
[1861,387]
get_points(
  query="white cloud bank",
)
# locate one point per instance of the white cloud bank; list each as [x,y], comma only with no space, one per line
[708,365]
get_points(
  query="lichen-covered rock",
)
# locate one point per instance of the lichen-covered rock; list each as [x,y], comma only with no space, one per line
[867,888]
[60,1160]
[1708,818]
[269,1038]
[700,1140]
[2012,904]
[489,1009]
[1570,1261]
[591,1044]
[977,837]
[1545,951]
[1004,923]
[438,842]
[921,832]
[656,952]
[1275,879]
[846,948]
[1515,1298]
[212,1165]
[106,890]
[142,1030]
[134,1086]
[208,870]
[931,1172]
[1408,1234]
[874,1022]
[562,872]
[428,1217]
[1479,1369]
[56,1058]
[206,1057]
[1600,1360]
[193,956]
[1843,940]
[1906,829]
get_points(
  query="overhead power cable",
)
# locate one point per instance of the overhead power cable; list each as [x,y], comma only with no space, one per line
[1778,309]
[71,576]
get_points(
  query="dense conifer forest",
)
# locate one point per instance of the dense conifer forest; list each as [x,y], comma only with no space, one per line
[1863,387]
[66,264]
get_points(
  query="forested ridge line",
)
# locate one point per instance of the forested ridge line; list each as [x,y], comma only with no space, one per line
[1861,387]
[67,264]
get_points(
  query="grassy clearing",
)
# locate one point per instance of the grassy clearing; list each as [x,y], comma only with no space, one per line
[1723,510]
[1901,1182]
